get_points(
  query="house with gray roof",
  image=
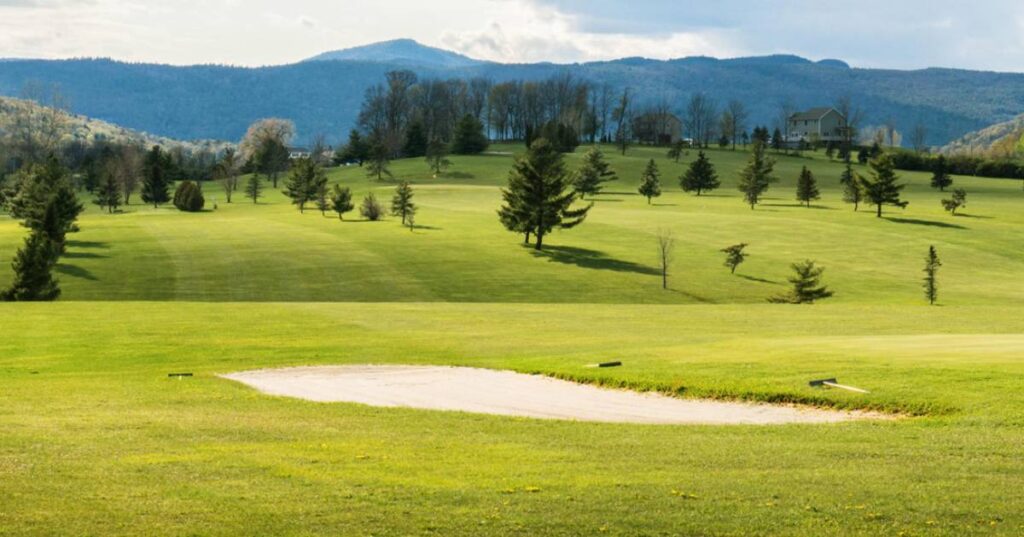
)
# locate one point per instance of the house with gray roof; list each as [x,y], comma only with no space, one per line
[816,125]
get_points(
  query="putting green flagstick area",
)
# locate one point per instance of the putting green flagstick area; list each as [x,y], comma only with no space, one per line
[98,440]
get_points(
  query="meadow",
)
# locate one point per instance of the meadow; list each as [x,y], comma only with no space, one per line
[98,440]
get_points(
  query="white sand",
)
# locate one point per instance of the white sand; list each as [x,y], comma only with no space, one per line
[506,393]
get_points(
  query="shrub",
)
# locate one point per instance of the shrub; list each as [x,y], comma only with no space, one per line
[371,209]
[189,197]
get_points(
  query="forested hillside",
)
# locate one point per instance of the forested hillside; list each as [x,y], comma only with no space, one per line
[324,96]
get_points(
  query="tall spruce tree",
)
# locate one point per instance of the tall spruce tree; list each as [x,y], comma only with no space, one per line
[469,137]
[853,189]
[931,270]
[882,187]
[33,271]
[415,141]
[593,173]
[807,286]
[254,188]
[401,202]
[156,181]
[700,176]
[807,187]
[108,195]
[756,176]
[306,179]
[940,174]
[650,182]
[538,198]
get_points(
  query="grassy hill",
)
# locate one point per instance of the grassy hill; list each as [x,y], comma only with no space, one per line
[90,417]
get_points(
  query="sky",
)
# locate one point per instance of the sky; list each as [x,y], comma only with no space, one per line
[898,34]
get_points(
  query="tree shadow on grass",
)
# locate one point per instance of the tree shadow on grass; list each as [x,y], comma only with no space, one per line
[83,255]
[611,193]
[800,206]
[758,280]
[920,222]
[978,216]
[664,205]
[426,228]
[604,200]
[698,298]
[456,175]
[75,271]
[87,244]
[590,259]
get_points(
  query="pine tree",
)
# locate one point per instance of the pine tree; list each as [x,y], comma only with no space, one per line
[306,179]
[593,172]
[734,256]
[756,176]
[650,182]
[156,181]
[538,198]
[341,201]
[807,187]
[107,194]
[700,176]
[33,271]
[777,142]
[853,189]
[882,188]
[371,208]
[415,141]
[437,157]
[254,188]
[806,285]
[378,161]
[959,200]
[356,150]
[323,201]
[401,202]
[676,151]
[469,137]
[940,174]
[189,197]
[931,270]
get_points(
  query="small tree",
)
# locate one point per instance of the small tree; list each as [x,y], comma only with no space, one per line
[156,181]
[734,256]
[323,202]
[189,197]
[371,209]
[853,188]
[356,150]
[415,141]
[959,200]
[806,285]
[341,201]
[666,247]
[676,151]
[756,176]
[882,188]
[306,179]
[931,270]
[378,160]
[227,171]
[700,176]
[437,157]
[401,202]
[593,172]
[107,194]
[807,187]
[33,271]
[469,137]
[254,188]
[650,182]
[940,174]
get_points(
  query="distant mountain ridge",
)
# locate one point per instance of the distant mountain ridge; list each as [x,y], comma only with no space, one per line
[404,51]
[984,140]
[323,94]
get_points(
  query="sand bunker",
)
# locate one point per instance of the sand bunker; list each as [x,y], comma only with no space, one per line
[506,393]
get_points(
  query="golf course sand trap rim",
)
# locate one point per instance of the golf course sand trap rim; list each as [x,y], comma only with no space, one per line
[507,393]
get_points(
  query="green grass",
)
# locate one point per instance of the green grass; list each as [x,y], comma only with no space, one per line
[97,440]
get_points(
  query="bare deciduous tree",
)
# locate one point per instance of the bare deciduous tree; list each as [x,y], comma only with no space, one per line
[666,249]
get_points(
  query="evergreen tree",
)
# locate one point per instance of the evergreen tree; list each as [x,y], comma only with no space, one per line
[676,151]
[940,174]
[271,158]
[538,198]
[415,141]
[254,188]
[306,179]
[806,285]
[863,156]
[401,202]
[777,142]
[322,198]
[594,171]
[650,182]
[378,160]
[33,271]
[108,195]
[700,176]
[756,176]
[959,200]
[931,270]
[469,137]
[437,157]
[156,183]
[882,188]
[341,201]
[807,187]
[734,256]
[188,197]
[853,189]
[356,150]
